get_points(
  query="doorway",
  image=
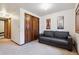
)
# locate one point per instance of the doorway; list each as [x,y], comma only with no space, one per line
[31,28]
[5,31]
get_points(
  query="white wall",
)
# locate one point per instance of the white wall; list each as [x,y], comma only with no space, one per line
[15,33]
[1,26]
[68,21]
[77,41]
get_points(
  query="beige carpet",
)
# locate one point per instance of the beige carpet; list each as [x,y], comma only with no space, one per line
[33,48]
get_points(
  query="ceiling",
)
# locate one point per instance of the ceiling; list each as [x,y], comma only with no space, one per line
[35,7]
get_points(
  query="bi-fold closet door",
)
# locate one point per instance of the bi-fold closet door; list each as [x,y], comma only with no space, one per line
[31,28]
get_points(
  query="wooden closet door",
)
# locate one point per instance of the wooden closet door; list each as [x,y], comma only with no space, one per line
[31,28]
[28,28]
[35,28]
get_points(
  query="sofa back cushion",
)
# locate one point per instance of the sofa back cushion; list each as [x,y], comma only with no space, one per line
[49,33]
[61,34]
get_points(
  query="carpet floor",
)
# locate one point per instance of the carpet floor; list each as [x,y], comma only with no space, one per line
[33,48]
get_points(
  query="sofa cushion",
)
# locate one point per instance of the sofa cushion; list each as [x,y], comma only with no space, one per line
[55,40]
[49,33]
[61,34]
[60,41]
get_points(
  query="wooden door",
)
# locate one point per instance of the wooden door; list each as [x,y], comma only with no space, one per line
[35,28]
[28,28]
[7,28]
[31,28]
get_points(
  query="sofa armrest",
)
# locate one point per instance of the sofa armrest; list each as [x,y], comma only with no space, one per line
[69,36]
[40,35]
[70,44]
[69,39]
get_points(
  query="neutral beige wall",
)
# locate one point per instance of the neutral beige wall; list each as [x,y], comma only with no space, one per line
[15,30]
[68,21]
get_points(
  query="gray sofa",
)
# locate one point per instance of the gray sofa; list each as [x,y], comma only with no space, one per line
[56,38]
